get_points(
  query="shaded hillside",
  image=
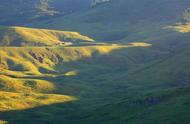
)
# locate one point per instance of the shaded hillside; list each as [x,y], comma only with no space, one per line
[22,36]
[23,11]
[124,20]
[27,72]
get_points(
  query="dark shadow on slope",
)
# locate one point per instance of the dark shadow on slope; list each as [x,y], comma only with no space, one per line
[49,114]
[121,111]
[89,86]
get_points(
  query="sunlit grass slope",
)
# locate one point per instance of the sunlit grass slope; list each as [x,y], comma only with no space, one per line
[19,101]
[182,28]
[23,36]
[20,66]
[25,85]
[19,94]
[37,60]
[121,83]
[25,69]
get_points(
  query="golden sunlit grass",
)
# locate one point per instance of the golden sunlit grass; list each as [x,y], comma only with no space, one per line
[18,94]
[3,122]
[19,90]
[140,44]
[23,61]
[13,73]
[25,85]
[28,61]
[20,101]
[71,73]
[182,28]
[23,36]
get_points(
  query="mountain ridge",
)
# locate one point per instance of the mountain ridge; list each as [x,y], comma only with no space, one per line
[23,36]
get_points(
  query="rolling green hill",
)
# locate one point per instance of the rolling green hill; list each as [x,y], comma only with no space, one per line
[113,81]
[22,36]
[134,69]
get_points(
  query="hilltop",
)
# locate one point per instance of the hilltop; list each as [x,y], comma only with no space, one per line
[23,36]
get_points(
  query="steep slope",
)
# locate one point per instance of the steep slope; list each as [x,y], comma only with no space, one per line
[22,36]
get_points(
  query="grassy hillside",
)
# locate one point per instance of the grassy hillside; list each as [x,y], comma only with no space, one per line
[25,72]
[18,61]
[117,82]
[130,83]
[125,20]
[22,36]
[24,11]
[139,76]
[20,101]
[23,69]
